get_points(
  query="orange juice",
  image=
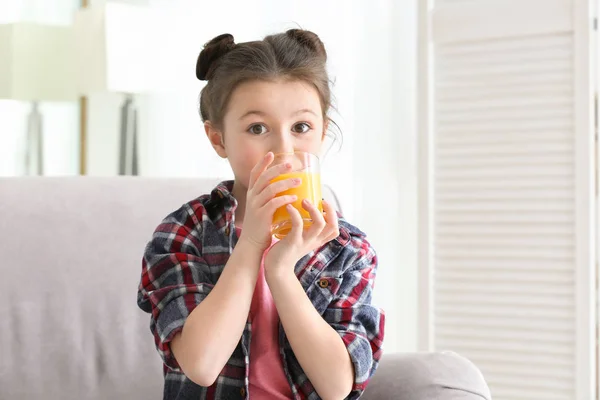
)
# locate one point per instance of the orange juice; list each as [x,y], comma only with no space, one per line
[309,189]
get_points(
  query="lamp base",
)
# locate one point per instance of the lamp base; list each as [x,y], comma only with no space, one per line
[128,153]
[34,154]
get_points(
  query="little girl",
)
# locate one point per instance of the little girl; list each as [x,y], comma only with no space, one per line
[235,314]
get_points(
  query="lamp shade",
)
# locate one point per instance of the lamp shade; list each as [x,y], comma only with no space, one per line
[114,48]
[36,62]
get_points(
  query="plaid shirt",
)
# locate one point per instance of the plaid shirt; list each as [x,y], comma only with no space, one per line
[184,260]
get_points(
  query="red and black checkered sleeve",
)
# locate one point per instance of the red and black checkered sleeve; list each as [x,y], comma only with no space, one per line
[351,314]
[175,278]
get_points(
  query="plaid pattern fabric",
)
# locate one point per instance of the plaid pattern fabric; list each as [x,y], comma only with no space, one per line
[184,259]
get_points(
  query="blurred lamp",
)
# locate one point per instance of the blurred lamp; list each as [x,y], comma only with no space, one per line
[36,64]
[115,53]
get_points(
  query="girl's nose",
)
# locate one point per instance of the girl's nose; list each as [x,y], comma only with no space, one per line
[283,144]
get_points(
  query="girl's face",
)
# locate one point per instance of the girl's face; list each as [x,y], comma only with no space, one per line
[281,117]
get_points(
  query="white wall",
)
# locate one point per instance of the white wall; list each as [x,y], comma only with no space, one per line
[372,58]
[385,156]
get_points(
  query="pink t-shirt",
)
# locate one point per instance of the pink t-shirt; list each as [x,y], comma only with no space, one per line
[267,380]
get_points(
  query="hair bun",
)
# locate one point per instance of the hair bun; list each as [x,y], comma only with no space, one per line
[213,51]
[309,40]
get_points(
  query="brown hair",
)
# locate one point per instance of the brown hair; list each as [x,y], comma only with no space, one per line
[295,55]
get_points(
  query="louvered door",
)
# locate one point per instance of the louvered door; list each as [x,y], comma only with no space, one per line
[507,156]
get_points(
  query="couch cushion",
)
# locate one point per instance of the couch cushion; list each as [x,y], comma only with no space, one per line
[71,253]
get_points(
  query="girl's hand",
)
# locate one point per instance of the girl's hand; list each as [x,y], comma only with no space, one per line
[283,256]
[261,200]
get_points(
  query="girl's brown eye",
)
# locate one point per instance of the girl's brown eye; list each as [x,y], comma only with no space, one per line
[257,129]
[302,127]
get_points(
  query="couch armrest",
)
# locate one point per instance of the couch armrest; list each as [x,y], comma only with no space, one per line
[426,376]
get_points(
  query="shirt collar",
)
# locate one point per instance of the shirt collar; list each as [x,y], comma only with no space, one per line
[222,197]
[222,191]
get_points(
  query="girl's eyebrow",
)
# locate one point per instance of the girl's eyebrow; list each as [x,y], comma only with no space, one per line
[305,110]
[253,112]
[263,114]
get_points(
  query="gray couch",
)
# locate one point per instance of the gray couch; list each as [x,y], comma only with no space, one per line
[70,251]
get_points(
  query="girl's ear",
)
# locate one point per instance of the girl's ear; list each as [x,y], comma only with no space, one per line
[215,137]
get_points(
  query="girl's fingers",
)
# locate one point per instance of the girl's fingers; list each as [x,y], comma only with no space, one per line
[274,189]
[297,222]
[331,220]
[264,180]
[259,168]
[318,222]
[273,204]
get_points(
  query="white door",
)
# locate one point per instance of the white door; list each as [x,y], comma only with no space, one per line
[507,241]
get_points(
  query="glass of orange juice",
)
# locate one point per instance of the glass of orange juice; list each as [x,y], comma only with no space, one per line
[306,167]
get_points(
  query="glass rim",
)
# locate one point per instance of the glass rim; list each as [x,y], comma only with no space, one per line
[296,152]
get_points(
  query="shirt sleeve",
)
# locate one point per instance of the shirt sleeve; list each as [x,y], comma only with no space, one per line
[174,279]
[357,321]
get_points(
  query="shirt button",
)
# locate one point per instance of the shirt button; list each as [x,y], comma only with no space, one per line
[324,283]
[243,392]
